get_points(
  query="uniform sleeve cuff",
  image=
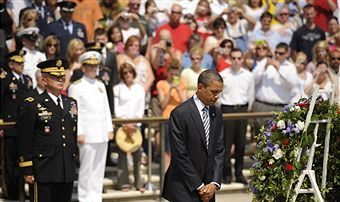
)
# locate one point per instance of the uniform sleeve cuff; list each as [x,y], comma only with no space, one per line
[25,164]
[217,185]
[200,187]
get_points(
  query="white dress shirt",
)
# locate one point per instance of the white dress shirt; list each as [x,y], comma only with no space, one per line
[54,98]
[94,117]
[275,86]
[238,87]
[129,102]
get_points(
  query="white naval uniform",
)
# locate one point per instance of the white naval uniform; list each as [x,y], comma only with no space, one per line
[32,58]
[95,122]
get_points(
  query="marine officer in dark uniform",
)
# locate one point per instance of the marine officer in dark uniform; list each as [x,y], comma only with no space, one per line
[47,138]
[14,85]
[65,28]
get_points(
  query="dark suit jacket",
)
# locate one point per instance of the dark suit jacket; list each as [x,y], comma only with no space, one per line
[57,28]
[47,139]
[12,96]
[192,163]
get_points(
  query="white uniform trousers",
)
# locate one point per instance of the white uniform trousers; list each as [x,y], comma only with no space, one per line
[92,158]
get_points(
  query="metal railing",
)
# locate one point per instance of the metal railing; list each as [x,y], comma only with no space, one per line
[160,120]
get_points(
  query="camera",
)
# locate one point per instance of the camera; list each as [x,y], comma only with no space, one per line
[168,44]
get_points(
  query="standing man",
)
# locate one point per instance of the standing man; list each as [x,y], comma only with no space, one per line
[14,85]
[176,29]
[276,81]
[237,96]
[47,137]
[33,56]
[307,35]
[65,28]
[94,127]
[196,142]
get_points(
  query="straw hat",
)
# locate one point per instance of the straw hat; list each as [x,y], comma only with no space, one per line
[129,143]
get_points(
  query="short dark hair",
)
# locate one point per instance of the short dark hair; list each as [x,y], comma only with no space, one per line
[266,15]
[99,31]
[321,63]
[236,50]
[332,18]
[218,22]
[282,45]
[208,76]
[308,6]
[225,41]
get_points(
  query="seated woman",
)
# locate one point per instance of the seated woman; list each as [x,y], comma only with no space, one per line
[129,102]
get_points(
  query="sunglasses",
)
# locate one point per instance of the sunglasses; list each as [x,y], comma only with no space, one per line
[132,4]
[53,44]
[32,19]
[261,48]
[236,58]
[226,46]
[279,53]
[283,14]
[176,12]
[336,58]
[192,58]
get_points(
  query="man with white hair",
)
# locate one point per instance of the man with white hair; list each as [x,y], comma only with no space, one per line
[94,127]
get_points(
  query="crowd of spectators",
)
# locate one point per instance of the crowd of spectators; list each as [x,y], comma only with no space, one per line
[287,48]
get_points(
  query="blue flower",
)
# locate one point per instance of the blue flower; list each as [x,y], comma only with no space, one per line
[268,134]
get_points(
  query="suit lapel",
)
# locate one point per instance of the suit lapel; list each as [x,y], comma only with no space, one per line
[212,115]
[47,100]
[195,115]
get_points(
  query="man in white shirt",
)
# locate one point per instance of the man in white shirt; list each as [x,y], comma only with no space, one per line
[275,80]
[94,128]
[29,37]
[237,96]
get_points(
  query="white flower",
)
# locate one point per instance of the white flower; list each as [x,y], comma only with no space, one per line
[271,161]
[295,108]
[281,124]
[277,154]
[300,125]
[262,177]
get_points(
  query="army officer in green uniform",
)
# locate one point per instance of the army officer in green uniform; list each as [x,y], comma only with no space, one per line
[47,137]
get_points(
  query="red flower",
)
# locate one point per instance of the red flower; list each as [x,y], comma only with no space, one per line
[289,167]
[301,105]
[285,141]
[273,128]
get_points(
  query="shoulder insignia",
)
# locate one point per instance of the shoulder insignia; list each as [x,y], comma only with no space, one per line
[29,99]
[76,82]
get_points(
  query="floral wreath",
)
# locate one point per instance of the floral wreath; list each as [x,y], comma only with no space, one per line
[278,143]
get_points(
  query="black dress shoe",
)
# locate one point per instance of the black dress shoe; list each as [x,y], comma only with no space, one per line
[241,179]
[226,179]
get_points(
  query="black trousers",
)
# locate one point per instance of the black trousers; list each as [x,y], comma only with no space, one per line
[13,179]
[53,192]
[234,133]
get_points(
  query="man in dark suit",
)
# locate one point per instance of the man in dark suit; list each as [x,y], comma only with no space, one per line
[196,142]
[65,28]
[14,85]
[47,137]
